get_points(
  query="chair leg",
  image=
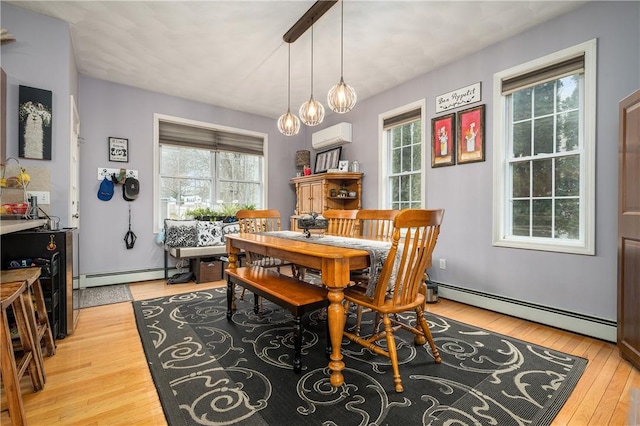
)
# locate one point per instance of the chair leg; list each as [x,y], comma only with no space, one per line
[393,353]
[427,333]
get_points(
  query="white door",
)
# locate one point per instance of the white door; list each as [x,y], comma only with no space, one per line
[74,167]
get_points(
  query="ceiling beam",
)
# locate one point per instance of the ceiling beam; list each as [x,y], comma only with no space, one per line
[308,19]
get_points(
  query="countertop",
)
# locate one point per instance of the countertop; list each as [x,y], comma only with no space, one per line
[8,226]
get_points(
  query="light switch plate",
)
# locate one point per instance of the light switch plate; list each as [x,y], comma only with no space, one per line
[43,197]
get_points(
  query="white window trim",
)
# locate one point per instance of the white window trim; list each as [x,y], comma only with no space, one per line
[383,152]
[586,245]
[157,118]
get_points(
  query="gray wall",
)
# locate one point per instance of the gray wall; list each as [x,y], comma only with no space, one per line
[582,284]
[42,58]
[108,109]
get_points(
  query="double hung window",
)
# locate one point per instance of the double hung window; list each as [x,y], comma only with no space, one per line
[203,167]
[403,153]
[544,156]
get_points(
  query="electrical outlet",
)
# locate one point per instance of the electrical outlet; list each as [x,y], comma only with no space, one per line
[443,263]
[43,197]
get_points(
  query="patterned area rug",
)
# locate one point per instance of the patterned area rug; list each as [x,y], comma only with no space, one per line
[104,295]
[210,371]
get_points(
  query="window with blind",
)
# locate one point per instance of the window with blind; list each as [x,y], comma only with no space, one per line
[544,115]
[200,166]
[404,158]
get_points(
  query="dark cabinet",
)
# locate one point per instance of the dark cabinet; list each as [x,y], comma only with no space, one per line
[57,279]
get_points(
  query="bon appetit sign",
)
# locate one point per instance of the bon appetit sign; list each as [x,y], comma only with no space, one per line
[459,97]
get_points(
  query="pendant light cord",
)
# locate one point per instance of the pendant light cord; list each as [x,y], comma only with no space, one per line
[289,81]
[312,62]
[342,39]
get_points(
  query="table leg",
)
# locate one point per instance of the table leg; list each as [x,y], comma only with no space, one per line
[336,320]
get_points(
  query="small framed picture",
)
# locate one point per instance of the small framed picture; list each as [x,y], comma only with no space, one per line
[343,165]
[443,141]
[327,160]
[119,150]
[471,135]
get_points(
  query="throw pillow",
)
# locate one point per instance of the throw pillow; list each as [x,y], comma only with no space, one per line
[209,233]
[181,233]
[230,228]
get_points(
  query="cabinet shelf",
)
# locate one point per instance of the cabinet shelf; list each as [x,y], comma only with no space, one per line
[313,193]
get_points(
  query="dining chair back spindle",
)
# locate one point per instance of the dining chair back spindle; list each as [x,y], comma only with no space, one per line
[341,222]
[398,288]
[256,221]
[376,224]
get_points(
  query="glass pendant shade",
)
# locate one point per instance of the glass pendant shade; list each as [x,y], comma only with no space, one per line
[342,97]
[289,124]
[312,112]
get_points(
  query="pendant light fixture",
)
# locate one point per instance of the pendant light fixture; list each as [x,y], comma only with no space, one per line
[312,111]
[342,97]
[288,123]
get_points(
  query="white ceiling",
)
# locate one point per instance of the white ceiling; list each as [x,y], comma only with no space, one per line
[231,53]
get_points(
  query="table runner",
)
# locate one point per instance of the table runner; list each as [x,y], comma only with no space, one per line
[378,251]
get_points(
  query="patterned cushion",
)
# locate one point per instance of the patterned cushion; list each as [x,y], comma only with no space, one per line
[181,233]
[230,228]
[209,233]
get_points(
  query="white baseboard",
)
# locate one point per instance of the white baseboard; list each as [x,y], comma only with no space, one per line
[590,326]
[97,280]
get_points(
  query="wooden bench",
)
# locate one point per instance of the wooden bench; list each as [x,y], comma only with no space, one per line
[297,296]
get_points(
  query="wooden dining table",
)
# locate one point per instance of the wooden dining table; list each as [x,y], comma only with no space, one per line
[335,264]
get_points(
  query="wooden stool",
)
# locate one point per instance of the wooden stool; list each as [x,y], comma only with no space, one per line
[16,296]
[43,330]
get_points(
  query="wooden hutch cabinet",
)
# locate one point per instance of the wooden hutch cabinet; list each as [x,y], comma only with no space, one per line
[317,193]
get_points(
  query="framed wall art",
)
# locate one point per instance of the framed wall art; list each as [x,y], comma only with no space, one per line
[470,146]
[35,109]
[326,160]
[119,150]
[443,140]
[343,165]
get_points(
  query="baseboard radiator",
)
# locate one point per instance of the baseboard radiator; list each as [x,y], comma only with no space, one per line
[97,280]
[578,323]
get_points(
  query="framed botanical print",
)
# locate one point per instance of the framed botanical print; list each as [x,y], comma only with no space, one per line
[119,150]
[443,140]
[471,135]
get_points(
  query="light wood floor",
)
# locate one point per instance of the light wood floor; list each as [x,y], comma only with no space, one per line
[99,375]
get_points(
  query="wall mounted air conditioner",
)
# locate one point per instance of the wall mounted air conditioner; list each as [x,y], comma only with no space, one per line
[338,134]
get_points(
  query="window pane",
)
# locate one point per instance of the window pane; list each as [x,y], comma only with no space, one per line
[176,161]
[568,96]
[416,189]
[542,175]
[568,219]
[568,131]
[417,156]
[395,189]
[404,188]
[406,159]
[522,139]
[541,219]
[522,105]
[543,136]
[396,161]
[568,176]
[543,98]
[520,225]
[521,179]
[396,137]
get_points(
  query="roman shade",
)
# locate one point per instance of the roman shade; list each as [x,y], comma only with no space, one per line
[208,138]
[555,71]
[404,118]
